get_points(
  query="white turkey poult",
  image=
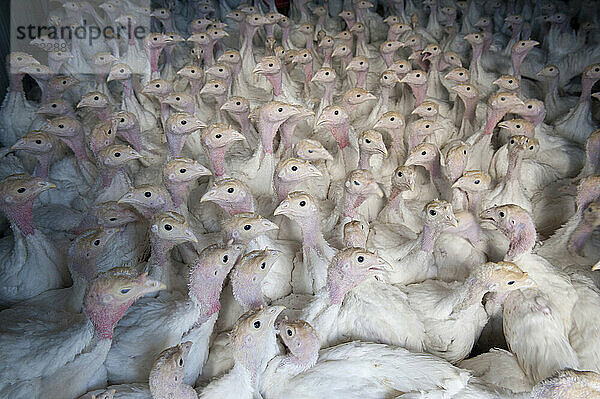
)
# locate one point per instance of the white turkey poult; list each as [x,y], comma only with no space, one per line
[282,199]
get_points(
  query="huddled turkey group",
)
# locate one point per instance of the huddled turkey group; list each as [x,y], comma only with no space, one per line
[321,199]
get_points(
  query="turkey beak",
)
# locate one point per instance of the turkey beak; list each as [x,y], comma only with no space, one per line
[111,77]
[258,69]
[149,286]
[21,144]
[380,265]
[44,186]
[274,312]
[596,96]
[313,172]
[283,208]
[425,55]
[503,125]
[237,136]
[188,235]
[127,198]
[488,216]
[452,220]
[322,121]
[596,266]
[497,81]
[82,104]
[210,195]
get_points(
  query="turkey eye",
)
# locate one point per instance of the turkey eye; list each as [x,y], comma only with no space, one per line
[551,69]
[432,212]
[385,77]
[356,183]
[531,148]
[326,73]
[220,69]
[310,151]
[238,103]
[155,38]
[257,324]
[424,153]
[289,332]
[294,168]
[193,71]
[435,49]
[529,106]
[247,227]
[502,98]
[38,141]
[122,70]
[360,259]
[122,120]
[230,190]
[418,75]
[512,141]
[168,227]
[368,141]
[157,86]
[177,99]
[117,154]
[53,105]
[183,122]
[468,89]
[518,126]
[182,170]
[112,219]
[97,242]
[460,74]
[336,112]
[597,70]
[511,282]
[476,182]
[61,126]
[510,81]
[125,290]
[522,44]
[501,214]
[392,119]
[225,258]
[400,174]
[426,126]
[270,65]
[96,98]
[21,190]
[358,96]
[216,86]
[302,203]
[147,194]
[263,265]
[218,136]
[256,19]
[343,48]
[429,109]
[180,362]
[465,152]
[279,109]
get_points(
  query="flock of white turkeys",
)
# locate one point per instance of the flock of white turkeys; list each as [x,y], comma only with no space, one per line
[324,204]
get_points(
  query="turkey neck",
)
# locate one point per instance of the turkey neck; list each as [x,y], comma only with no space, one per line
[134,137]
[364,160]
[216,157]
[517,59]
[247,31]
[275,79]
[361,79]
[127,88]
[267,131]
[388,57]
[153,55]
[284,187]
[16,83]
[242,120]
[327,93]
[42,166]
[327,52]
[552,89]
[470,293]
[522,239]
[420,93]
[177,192]
[428,237]
[474,200]
[514,166]
[19,216]
[103,113]
[308,73]
[473,67]
[579,236]
[285,36]
[470,105]
[158,263]
[208,53]
[311,233]
[77,145]
[586,89]
[341,134]
[249,293]
[103,317]
[351,204]
[396,200]
[494,116]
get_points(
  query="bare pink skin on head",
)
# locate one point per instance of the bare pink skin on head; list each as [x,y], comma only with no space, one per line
[17,193]
[167,375]
[179,126]
[207,275]
[178,173]
[338,121]
[248,275]
[69,131]
[438,216]
[270,118]
[587,224]
[110,295]
[302,342]
[232,195]
[516,224]
[348,269]
[39,144]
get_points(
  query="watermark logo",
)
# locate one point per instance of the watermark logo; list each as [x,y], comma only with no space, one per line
[66,36]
